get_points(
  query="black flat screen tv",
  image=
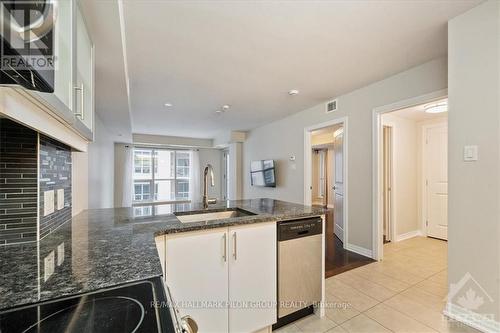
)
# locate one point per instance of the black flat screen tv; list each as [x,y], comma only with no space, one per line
[262,173]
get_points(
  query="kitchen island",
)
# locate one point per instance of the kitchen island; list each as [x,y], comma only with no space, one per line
[104,248]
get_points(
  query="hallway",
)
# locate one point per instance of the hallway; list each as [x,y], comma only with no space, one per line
[338,259]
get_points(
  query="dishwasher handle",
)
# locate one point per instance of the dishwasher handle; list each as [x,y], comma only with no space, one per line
[288,230]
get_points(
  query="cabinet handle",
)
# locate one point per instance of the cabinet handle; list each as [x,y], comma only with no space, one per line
[234,245]
[82,99]
[224,253]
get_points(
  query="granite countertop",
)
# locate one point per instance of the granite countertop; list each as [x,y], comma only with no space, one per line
[108,247]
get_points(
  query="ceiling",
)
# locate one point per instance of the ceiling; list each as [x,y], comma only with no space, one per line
[200,55]
[416,113]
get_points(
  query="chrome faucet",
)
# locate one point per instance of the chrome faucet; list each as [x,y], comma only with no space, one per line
[206,200]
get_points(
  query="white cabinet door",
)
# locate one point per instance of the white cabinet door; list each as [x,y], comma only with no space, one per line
[63,50]
[84,83]
[252,277]
[197,275]
[161,247]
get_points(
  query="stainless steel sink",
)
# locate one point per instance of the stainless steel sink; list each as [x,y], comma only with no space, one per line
[212,215]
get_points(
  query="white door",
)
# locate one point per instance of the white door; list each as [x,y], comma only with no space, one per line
[387,180]
[436,155]
[197,272]
[252,277]
[338,212]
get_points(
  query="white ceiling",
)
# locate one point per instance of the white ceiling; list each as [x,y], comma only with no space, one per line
[199,55]
[417,113]
[103,22]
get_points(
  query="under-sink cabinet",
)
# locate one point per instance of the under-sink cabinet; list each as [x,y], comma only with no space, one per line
[225,278]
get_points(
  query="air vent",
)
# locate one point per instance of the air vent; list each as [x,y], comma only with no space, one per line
[331,106]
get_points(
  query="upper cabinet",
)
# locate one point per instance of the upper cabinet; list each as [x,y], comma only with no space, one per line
[84,80]
[63,50]
[73,96]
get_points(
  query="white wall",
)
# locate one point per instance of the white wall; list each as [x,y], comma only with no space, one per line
[79,182]
[405,171]
[101,168]
[120,157]
[146,139]
[281,139]
[474,119]
[214,157]
[235,190]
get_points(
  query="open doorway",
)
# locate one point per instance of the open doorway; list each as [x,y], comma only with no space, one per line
[326,185]
[412,178]
[328,173]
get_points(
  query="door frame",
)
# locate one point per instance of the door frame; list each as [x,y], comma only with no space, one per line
[425,190]
[377,202]
[392,225]
[308,167]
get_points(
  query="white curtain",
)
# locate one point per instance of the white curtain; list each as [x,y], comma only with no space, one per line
[194,175]
[126,176]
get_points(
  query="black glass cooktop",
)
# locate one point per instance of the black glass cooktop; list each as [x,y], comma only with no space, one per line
[122,310]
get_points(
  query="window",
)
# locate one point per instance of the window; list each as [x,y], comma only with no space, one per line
[161,174]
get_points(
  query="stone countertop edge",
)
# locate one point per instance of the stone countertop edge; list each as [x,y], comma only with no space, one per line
[105,248]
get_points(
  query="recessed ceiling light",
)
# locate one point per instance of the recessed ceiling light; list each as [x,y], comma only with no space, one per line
[293,92]
[438,107]
[223,109]
[168,105]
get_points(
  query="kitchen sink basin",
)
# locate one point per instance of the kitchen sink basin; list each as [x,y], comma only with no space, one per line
[187,217]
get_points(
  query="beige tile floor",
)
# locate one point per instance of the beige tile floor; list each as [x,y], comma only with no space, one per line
[403,293]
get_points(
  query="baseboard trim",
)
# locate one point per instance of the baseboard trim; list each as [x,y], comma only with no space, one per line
[338,232]
[472,319]
[408,235]
[359,250]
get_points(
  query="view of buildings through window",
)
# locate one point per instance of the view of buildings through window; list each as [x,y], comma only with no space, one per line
[161,174]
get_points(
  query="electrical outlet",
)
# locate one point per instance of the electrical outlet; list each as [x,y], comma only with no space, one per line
[60,199]
[48,266]
[60,254]
[48,202]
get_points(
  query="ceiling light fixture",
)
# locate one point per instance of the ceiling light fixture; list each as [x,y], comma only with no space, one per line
[168,105]
[438,107]
[223,108]
[293,92]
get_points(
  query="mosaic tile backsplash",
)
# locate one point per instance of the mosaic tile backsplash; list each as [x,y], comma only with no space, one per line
[55,175]
[18,183]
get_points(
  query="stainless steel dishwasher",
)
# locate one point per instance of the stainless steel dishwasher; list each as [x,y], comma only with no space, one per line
[299,268]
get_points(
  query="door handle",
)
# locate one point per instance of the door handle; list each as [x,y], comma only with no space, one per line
[82,100]
[224,253]
[234,245]
[334,188]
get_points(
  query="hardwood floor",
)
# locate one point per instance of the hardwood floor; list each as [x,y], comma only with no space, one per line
[338,259]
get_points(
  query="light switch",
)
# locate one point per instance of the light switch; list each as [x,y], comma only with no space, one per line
[60,198]
[48,202]
[470,153]
[60,254]
[48,267]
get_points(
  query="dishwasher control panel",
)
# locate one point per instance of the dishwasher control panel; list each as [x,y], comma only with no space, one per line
[299,228]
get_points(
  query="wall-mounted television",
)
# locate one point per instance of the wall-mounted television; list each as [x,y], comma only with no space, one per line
[262,173]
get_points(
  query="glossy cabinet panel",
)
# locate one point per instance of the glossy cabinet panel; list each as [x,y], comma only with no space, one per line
[84,81]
